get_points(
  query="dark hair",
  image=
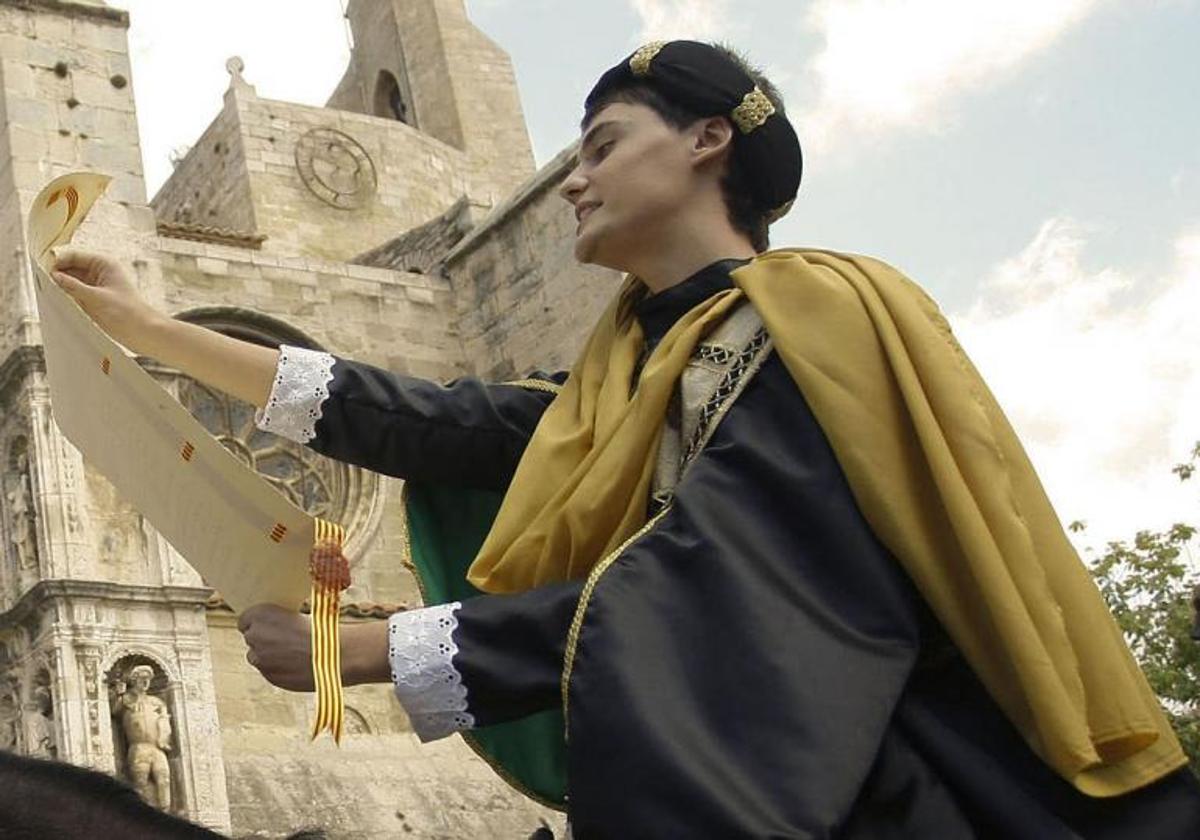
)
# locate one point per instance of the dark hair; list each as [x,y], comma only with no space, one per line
[744,214]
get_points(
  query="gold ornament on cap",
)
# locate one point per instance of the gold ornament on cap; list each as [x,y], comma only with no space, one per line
[753,111]
[639,63]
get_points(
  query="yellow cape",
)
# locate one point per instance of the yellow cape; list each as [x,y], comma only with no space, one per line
[934,466]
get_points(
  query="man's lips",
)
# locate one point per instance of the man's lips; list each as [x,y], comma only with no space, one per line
[582,211]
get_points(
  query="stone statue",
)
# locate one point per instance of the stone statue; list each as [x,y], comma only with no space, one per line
[146,722]
[20,507]
[10,720]
[38,720]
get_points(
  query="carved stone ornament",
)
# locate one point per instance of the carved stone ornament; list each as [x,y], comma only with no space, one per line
[335,168]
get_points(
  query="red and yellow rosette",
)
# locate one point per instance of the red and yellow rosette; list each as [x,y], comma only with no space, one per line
[330,573]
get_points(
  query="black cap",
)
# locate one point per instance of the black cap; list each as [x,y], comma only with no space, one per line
[704,80]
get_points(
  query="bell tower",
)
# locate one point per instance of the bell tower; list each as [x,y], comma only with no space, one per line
[423,62]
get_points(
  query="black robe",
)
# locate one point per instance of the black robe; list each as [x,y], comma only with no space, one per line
[756,664]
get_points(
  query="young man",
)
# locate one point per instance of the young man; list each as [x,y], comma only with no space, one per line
[770,564]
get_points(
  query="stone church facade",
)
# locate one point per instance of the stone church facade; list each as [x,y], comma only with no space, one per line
[403,224]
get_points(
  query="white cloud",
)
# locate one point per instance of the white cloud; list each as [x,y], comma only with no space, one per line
[703,20]
[1184,182]
[890,64]
[1099,373]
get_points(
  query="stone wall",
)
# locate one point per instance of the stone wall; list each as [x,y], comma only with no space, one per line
[381,783]
[522,301]
[67,103]
[418,178]
[393,319]
[472,83]
[17,328]
[421,248]
[209,186]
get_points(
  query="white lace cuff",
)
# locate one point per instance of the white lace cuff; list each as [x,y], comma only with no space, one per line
[421,650]
[301,387]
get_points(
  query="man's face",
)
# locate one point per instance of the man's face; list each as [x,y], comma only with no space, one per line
[634,175]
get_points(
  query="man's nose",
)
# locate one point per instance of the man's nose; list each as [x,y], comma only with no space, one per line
[572,186]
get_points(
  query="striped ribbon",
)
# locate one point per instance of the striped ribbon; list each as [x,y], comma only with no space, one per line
[330,575]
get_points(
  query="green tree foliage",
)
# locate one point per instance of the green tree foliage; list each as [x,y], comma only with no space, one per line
[1149,584]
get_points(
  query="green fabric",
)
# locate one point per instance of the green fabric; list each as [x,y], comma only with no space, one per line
[446,527]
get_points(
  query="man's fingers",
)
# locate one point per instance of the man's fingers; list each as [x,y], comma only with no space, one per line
[74,259]
[92,269]
[72,286]
[260,612]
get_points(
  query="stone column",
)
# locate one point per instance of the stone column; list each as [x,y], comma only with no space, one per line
[201,763]
[98,739]
[57,477]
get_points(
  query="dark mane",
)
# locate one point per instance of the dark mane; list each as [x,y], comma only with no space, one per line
[40,799]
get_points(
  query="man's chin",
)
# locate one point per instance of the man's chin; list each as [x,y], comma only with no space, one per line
[595,250]
[591,249]
[585,248]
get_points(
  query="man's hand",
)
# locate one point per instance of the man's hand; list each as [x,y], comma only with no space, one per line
[280,647]
[101,287]
[99,284]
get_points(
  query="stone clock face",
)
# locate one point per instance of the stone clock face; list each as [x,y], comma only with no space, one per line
[335,168]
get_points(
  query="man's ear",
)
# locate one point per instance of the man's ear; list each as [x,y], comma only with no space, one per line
[712,137]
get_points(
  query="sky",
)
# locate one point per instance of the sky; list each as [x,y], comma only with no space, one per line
[1034,164]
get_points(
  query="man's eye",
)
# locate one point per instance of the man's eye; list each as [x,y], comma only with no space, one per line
[603,149]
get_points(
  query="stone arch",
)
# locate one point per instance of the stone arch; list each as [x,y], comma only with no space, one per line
[389,101]
[154,658]
[355,722]
[249,325]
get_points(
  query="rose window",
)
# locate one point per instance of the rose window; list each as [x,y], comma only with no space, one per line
[310,481]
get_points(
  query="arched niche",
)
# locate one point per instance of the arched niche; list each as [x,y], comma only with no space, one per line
[19,522]
[119,680]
